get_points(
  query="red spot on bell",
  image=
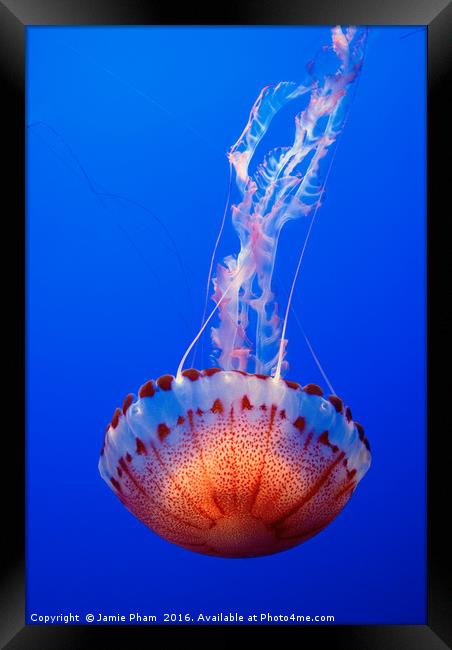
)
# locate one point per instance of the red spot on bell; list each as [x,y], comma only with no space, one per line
[360,430]
[115,484]
[208,372]
[115,418]
[323,439]
[127,402]
[300,423]
[313,389]
[164,382]
[246,404]
[192,374]
[336,402]
[147,389]
[162,431]
[217,406]
[141,449]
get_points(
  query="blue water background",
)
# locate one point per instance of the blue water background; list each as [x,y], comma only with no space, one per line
[116,291]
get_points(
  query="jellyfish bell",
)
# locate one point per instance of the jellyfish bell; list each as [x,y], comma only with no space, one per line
[233,464]
[236,461]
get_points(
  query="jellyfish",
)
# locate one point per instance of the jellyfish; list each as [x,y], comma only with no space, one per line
[235,460]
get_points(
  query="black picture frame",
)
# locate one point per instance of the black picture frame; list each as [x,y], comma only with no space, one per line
[15,16]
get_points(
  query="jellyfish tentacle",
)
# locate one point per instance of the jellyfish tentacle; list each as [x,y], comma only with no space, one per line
[283,340]
[270,100]
[212,258]
[288,184]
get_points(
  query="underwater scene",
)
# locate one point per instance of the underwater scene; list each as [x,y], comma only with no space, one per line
[226,325]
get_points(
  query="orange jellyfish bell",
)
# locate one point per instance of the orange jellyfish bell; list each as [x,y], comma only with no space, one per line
[233,464]
[228,462]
